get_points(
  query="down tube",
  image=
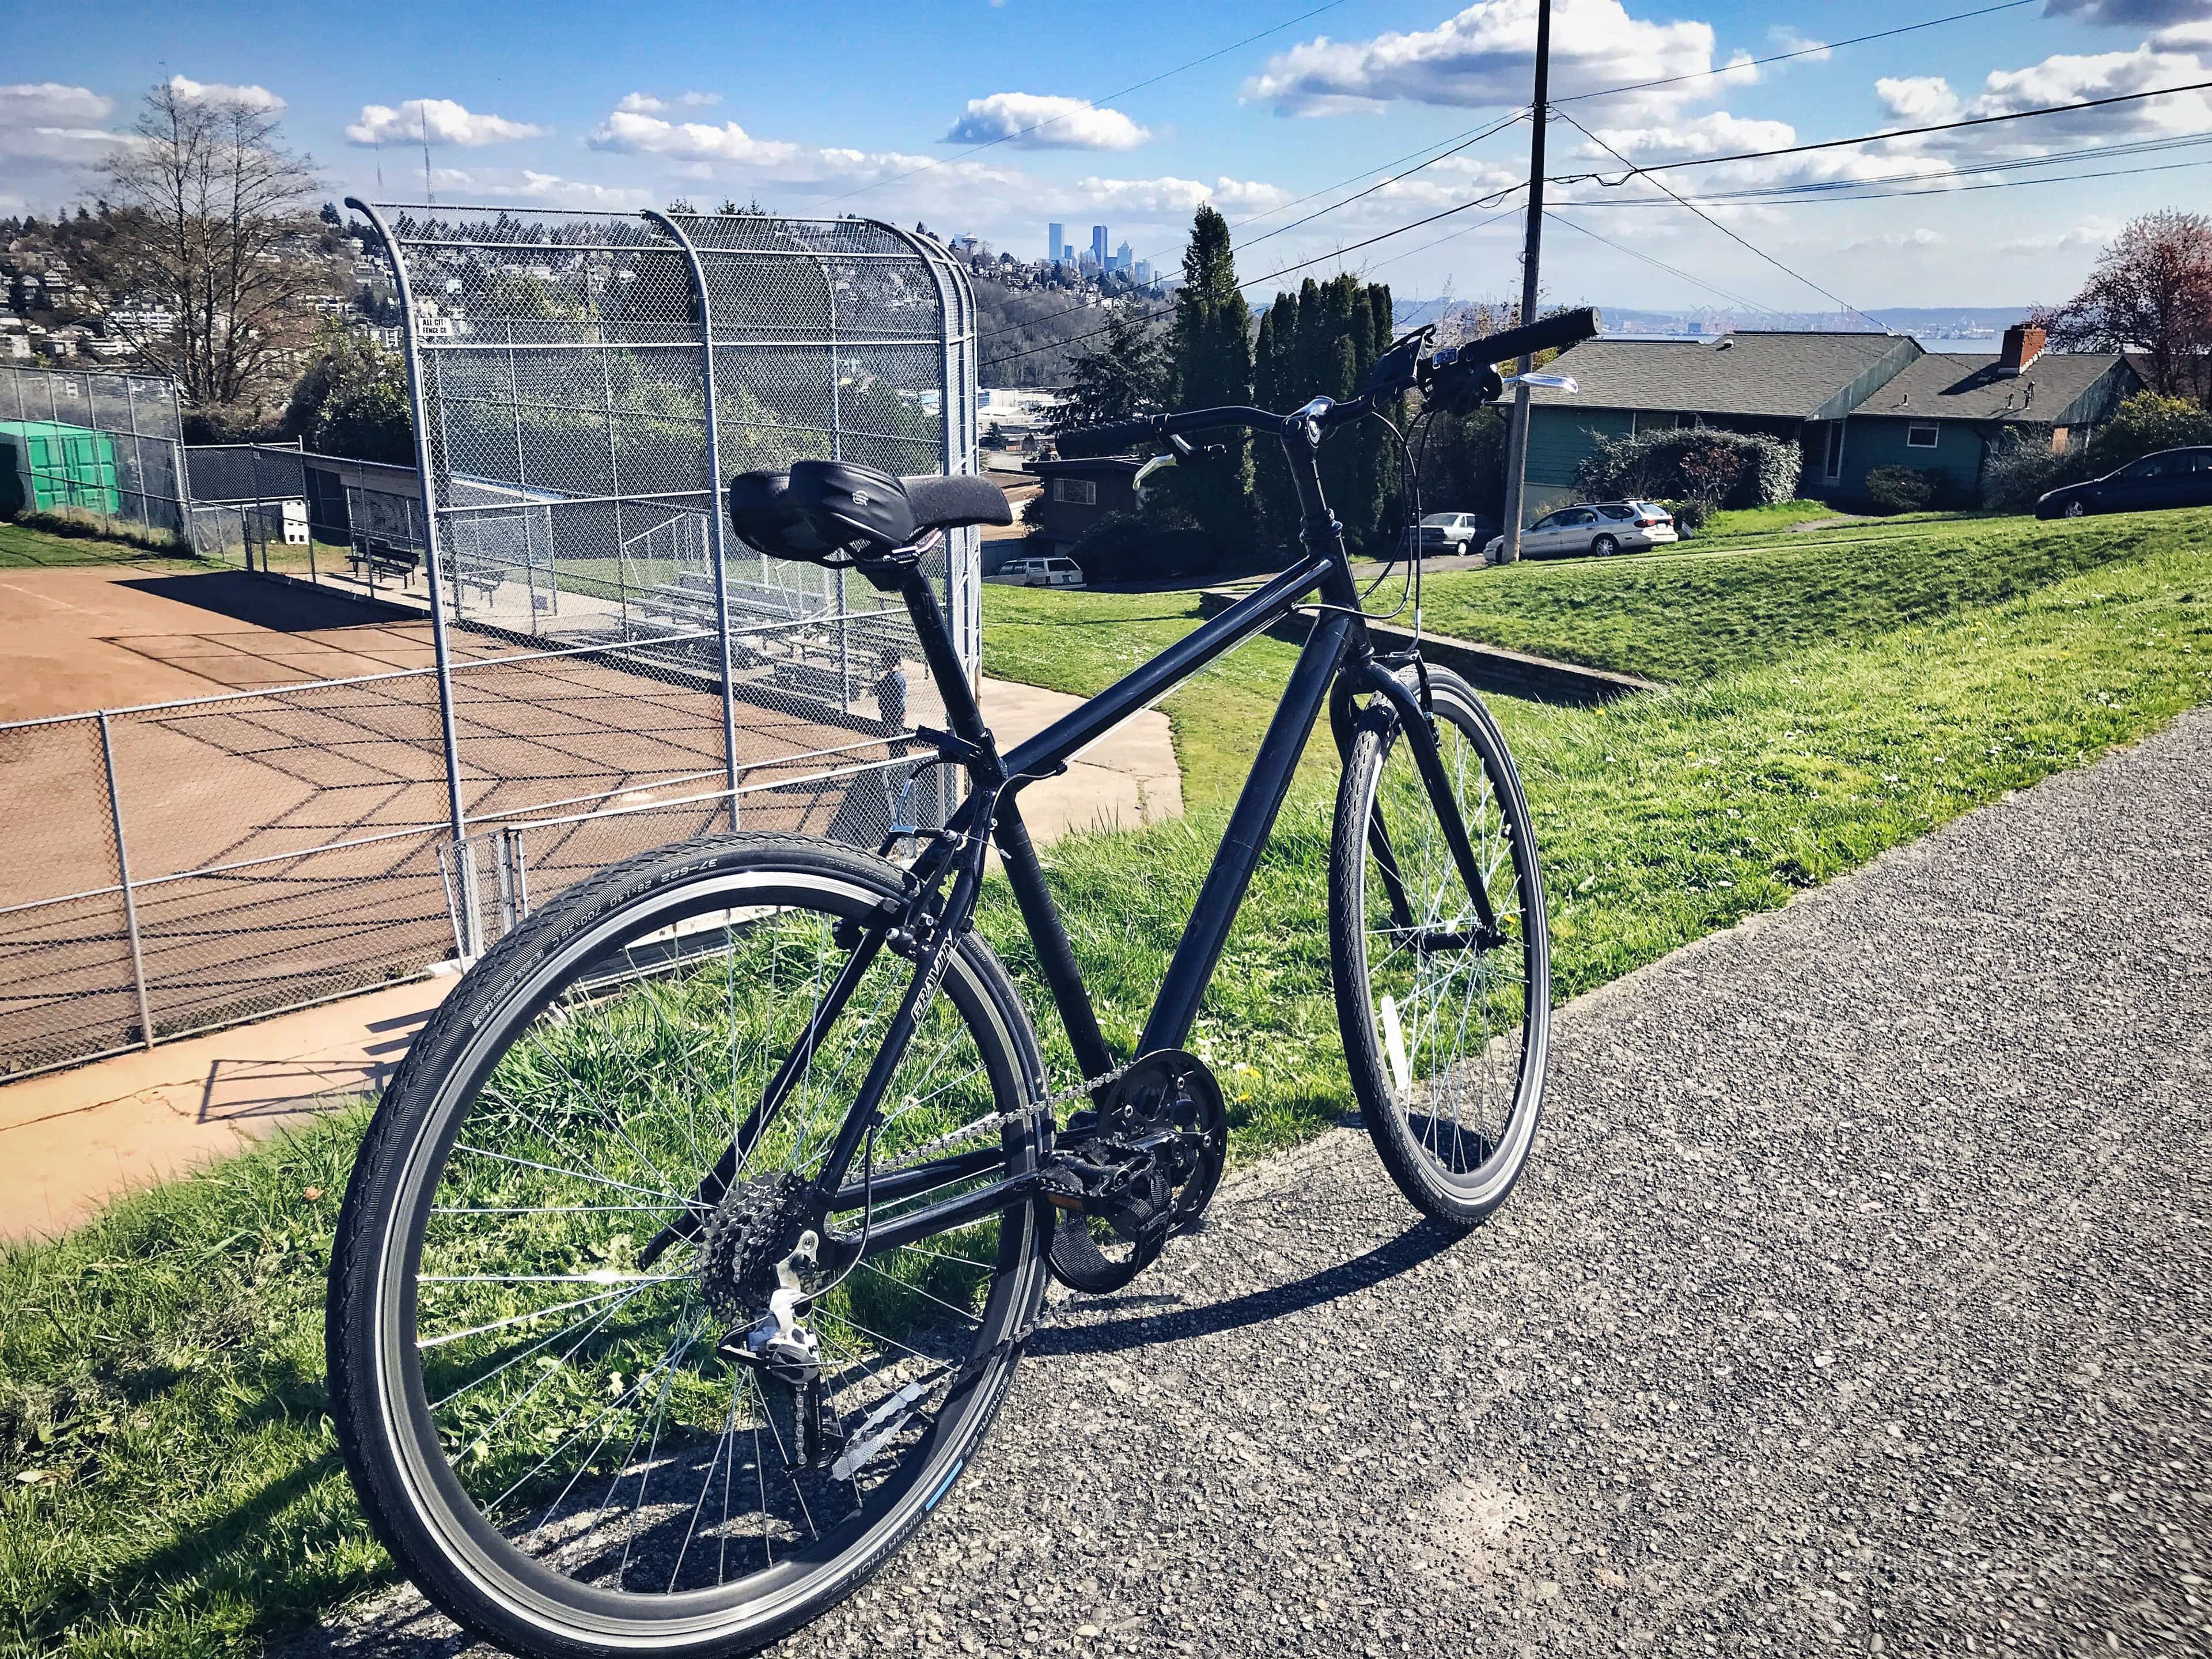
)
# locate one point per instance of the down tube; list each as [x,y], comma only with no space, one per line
[1208,931]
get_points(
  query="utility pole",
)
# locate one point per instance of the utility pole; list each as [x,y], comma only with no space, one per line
[1516,447]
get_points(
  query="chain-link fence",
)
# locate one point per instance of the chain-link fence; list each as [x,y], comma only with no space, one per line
[105,450]
[583,386]
[356,526]
[604,669]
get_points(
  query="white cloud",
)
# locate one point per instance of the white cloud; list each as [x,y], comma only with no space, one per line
[545,189]
[644,103]
[1032,121]
[633,132]
[48,128]
[1920,99]
[1786,38]
[217,92]
[1171,198]
[1918,238]
[441,119]
[1484,55]
[2092,233]
[2128,14]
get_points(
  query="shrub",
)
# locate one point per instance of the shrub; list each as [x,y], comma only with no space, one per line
[2144,424]
[1690,516]
[1704,463]
[2021,467]
[1906,488]
[1123,547]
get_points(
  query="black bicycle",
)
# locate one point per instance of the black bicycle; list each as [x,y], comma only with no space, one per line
[690,1253]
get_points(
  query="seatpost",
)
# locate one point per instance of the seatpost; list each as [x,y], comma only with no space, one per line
[961,712]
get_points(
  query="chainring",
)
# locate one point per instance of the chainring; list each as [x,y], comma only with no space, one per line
[1161,1136]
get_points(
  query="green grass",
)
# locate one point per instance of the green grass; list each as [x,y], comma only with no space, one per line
[160,1373]
[23,547]
[1686,615]
[1759,520]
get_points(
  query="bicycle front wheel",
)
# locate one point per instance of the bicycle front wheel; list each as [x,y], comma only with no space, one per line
[545,1419]
[1444,1032]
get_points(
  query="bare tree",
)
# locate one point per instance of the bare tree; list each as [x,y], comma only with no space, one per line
[2150,295]
[203,197]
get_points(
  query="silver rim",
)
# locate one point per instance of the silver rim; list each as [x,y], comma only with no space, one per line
[1452,1027]
[565,1426]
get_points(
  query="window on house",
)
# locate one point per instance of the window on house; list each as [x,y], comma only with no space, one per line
[1079,492]
[1832,467]
[1920,436]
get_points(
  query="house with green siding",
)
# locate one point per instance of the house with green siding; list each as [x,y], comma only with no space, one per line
[1947,411]
[1800,387]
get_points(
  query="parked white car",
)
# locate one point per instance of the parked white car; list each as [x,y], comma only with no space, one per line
[1443,534]
[1601,528]
[1035,570]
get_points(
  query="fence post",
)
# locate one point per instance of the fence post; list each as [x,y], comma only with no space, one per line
[716,548]
[418,406]
[123,869]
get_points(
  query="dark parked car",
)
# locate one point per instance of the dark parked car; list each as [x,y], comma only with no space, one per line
[2173,477]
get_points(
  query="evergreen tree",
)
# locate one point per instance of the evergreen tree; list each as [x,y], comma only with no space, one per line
[1213,357]
[1128,372]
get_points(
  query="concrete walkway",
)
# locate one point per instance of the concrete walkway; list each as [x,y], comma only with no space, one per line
[70,1140]
[1859,1299]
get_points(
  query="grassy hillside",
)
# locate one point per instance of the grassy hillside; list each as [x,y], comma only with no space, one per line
[1689,613]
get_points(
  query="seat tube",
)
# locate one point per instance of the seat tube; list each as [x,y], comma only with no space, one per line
[961,712]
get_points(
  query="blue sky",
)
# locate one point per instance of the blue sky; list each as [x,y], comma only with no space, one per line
[856,108]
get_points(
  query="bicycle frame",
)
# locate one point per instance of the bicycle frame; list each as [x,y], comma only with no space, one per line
[1337,662]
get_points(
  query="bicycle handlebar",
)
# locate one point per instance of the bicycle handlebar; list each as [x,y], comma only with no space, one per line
[1401,369]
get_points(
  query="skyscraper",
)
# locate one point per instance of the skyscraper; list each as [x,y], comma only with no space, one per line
[1055,239]
[1123,259]
[1099,245]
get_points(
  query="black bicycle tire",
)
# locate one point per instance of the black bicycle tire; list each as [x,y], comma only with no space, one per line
[355,1389]
[1376,729]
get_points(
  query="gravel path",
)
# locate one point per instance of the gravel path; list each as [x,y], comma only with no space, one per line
[1856,1299]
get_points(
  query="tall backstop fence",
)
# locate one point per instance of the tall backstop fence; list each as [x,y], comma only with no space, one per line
[591,663]
[106,449]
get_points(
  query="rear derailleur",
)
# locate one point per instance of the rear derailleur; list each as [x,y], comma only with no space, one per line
[1137,1168]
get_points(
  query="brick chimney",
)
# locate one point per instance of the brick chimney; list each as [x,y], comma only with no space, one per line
[2023,344]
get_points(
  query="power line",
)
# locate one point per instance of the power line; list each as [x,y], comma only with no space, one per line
[1816,51]
[1846,190]
[1635,170]
[1739,241]
[1495,196]
[1660,264]
[1087,103]
[1463,140]
[1899,195]
[1490,200]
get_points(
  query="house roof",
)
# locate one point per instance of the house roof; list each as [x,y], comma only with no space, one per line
[1964,386]
[1778,374]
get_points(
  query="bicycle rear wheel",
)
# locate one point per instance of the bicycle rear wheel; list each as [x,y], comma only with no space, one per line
[1445,1038]
[535,1414]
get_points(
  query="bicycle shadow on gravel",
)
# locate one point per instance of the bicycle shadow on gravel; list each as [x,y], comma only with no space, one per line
[1409,1249]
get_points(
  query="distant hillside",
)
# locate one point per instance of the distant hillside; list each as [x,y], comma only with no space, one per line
[1947,322]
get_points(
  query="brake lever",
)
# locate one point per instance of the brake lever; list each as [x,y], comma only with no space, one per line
[1185,450]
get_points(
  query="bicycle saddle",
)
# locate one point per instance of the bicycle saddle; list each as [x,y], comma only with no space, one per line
[820,509]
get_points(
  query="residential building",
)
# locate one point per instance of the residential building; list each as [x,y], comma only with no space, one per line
[1852,401]
[1947,410]
[1077,493]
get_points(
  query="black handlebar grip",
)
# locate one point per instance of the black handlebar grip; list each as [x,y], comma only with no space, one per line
[1545,334]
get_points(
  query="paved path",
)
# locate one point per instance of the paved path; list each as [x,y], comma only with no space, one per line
[1859,1298]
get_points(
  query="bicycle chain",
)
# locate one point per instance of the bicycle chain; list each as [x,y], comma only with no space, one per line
[997,1121]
